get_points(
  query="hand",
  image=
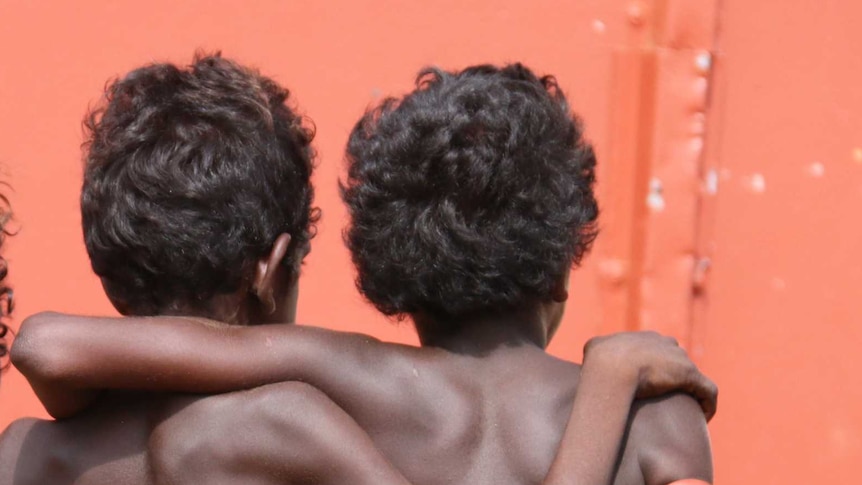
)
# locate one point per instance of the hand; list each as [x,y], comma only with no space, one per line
[657,365]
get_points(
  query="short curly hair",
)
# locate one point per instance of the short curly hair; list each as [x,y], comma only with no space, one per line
[190,176]
[7,302]
[473,194]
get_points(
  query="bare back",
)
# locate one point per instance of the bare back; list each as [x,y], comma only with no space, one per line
[499,418]
[107,444]
[491,419]
[487,410]
[113,443]
[450,418]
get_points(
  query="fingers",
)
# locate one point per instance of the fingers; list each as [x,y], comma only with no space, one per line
[706,392]
[699,386]
[661,364]
[702,387]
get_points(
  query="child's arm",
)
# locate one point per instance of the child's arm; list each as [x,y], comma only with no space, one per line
[297,429]
[617,369]
[69,359]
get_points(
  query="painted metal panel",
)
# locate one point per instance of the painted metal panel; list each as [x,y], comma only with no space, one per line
[728,134]
[778,322]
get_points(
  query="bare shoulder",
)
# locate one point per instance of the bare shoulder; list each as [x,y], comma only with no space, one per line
[12,442]
[372,380]
[13,436]
[669,437]
[280,433]
[210,438]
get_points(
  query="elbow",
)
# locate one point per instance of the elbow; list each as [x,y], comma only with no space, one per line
[37,349]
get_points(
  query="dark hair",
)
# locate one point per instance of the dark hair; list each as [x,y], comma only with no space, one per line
[7,302]
[472,194]
[191,174]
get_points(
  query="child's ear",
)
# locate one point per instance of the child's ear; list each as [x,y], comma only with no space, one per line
[266,272]
[560,292]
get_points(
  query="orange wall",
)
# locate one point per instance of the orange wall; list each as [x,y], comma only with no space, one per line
[780,323]
[773,321]
[56,59]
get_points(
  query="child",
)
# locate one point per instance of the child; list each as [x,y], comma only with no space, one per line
[200,219]
[171,143]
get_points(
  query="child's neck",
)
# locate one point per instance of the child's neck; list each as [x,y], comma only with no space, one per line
[483,335]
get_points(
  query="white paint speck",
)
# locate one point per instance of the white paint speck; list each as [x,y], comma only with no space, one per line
[599,27]
[857,155]
[757,183]
[710,182]
[655,199]
[778,284]
[816,169]
[703,62]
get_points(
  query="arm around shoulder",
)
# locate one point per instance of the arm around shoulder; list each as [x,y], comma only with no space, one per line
[68,359]
[40,352]
[29,353]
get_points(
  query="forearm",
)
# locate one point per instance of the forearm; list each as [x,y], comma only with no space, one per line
[593,439]
[67,358]
[36,360]
[618,368]
[62,401]
[90,353]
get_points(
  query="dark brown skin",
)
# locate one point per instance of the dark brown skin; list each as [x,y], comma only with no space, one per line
[487,405]
[440,415]
[111,443]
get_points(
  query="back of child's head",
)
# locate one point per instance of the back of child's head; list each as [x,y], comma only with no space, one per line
[471,195]
[190,176]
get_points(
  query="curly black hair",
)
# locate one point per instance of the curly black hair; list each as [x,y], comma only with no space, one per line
[471,195]
[7,302]
[190,176]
